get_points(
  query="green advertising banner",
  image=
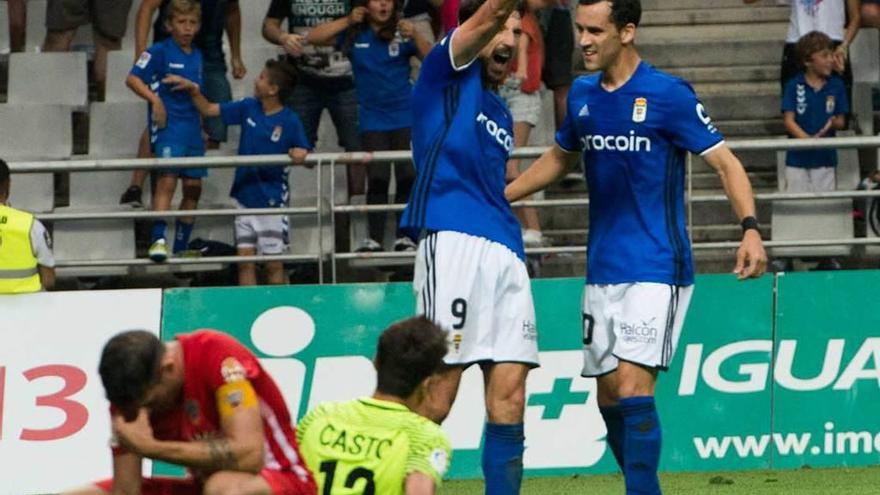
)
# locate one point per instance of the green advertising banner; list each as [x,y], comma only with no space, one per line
[826,379]
[317,341]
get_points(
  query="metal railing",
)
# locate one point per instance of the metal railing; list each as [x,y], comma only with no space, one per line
[331,160]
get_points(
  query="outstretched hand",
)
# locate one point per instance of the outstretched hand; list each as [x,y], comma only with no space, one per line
[751,259]
[179,83]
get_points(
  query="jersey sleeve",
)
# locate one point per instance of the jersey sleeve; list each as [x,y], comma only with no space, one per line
[41,243]
[279,9]
[841,105]
[567,136]
[228,369]
[302,427]
[429,452]
[148,65]
[789,102]
[690,126]
[298,137]
[234,112]
[439,67]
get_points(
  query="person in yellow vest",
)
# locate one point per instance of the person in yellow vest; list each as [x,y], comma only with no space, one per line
[26,260]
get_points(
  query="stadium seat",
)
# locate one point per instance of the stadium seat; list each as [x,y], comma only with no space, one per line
[252,24]
[48,78]
[254,59]
[93,240]
[119,64]
[816,219]
[34,132]
[115,128]
[304,233]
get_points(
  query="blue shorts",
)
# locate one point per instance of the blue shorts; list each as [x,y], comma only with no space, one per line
[180,150]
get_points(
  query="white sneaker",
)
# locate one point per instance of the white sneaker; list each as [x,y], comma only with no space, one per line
[533,238]
[368,246]
[158,251]
[404,244]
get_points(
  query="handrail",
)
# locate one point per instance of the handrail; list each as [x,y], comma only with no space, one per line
[365,158]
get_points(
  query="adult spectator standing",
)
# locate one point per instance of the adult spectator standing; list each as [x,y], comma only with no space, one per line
[839,19]
[217,16]
[470,272]
[326,82]
[202,401]
[413,453]
[559,47]
[109,19]
[17,12]
[870,13]
[633,126]
[26,260]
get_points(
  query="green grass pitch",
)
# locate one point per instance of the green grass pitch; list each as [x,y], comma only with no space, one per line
[837,481]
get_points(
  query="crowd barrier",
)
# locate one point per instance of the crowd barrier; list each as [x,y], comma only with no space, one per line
[331,207]
[779,372]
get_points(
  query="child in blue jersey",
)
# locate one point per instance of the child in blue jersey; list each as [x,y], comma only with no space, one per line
[380,47]
[633,126]
[268,128]
[814,105]
[174,122]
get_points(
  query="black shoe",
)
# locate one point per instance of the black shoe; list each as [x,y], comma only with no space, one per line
[132,197]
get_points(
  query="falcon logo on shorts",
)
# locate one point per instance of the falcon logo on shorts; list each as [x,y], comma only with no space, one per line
[232,370]
[643,332]
[529,330]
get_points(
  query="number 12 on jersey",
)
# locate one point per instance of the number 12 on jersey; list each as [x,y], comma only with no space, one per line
[328,468]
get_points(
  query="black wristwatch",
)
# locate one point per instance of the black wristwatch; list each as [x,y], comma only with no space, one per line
[749,223]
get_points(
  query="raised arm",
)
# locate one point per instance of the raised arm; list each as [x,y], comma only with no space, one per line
[273,33]
[476,32]
[551,166]
[326,34]
[751,260]
[408,30]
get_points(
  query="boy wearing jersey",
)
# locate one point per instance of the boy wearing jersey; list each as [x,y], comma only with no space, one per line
[267,128]
[378,444]
[201,401]
[174,122]
[634,126]
[470,274]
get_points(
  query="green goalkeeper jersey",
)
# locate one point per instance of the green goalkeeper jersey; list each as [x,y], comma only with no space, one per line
[368,446]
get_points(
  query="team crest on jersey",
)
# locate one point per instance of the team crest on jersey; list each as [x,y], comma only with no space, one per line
[585,111]
[143,60]
[232,370]
[640,110]
[829,104]
[439,461]
[394,49]
[276,133]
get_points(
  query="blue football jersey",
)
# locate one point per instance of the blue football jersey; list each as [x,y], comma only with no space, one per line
[634,142]
[462,136]
[381,78]
[184,123]
[261,134]
[812,108]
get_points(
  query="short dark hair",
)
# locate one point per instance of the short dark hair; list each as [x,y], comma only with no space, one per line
[623,12]
[467,8]
[282,74]
[810,43]
[408,352]
[4,177]
[129,366]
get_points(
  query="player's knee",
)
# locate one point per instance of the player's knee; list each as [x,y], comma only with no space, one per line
[192,190]
[507,408]
[217,485]
[634,389]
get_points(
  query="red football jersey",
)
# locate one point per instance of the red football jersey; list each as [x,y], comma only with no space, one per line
[211,360]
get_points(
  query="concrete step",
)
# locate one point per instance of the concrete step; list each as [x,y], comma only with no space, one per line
[763,162]
[736,88]
[765,31]
[742,107]
[743,128]
[721,74]
[704,16]
[702,53]
[701,4]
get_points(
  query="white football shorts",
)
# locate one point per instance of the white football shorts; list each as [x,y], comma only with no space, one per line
[636,322]
[479,292]
[269,234]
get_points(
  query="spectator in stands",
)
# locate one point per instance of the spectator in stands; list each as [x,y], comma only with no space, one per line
[268,128]
[839,19]
[870,13]
[325,82]
[26,260]
[174,121]
[521,91]
[217,16]
[814,105]
[559,48]
[17,12]
[109,19]
[379,46]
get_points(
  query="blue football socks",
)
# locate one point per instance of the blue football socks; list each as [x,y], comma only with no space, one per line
[641,445]
[613,417]
[503,448]
[158,230]
[182,231]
